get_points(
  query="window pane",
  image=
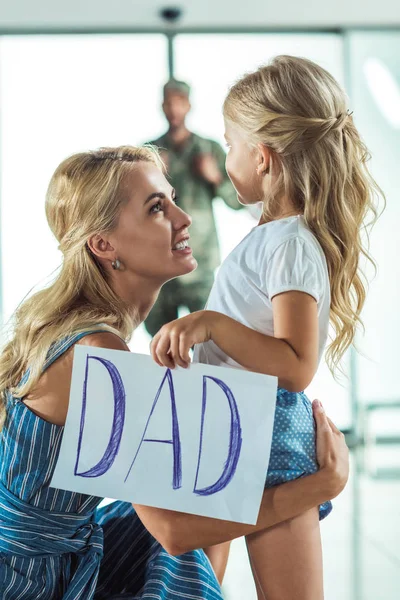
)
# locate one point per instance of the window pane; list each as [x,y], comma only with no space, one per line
[376,103]
[211,63]
[59,95]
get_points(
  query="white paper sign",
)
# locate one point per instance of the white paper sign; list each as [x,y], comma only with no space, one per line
[195,440]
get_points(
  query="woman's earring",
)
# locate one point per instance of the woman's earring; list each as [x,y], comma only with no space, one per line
[116,264]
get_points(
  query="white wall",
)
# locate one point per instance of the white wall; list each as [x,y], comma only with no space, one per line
[75,14]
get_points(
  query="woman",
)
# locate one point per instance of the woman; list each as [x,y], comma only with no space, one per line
[122,237]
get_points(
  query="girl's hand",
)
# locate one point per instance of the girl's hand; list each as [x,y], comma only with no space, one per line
[332,452]
[170,346]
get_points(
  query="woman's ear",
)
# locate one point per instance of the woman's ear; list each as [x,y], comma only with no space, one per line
[263,158]
[100,247]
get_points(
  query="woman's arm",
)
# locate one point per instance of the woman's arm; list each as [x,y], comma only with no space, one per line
[179,532]
[291,355]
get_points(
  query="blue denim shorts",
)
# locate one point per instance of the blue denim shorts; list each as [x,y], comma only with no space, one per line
[293,452]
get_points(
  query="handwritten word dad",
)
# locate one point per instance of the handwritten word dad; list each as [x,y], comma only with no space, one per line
[111,451]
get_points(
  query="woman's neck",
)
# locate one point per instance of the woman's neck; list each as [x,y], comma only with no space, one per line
[139,295]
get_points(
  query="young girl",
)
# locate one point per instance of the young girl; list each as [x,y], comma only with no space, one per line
[292,145]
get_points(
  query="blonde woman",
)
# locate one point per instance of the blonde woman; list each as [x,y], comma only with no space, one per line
[292,145]
[122,236]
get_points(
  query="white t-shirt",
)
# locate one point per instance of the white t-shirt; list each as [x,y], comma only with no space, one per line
[276,257]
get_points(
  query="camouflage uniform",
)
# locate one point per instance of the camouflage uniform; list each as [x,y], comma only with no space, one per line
[194,196]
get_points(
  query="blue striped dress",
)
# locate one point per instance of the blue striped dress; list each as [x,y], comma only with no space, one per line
[56,544]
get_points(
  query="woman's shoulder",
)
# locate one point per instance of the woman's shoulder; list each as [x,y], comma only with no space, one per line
[50,398]
[104,339]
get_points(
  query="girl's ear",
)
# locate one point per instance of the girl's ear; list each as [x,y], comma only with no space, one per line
[263,158]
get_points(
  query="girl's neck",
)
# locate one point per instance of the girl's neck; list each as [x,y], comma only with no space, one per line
[286,208]
[281,215]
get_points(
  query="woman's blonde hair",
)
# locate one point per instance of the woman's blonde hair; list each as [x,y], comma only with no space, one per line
[84,198]
[318,160]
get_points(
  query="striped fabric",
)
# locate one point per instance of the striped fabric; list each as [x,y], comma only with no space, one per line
[56,544]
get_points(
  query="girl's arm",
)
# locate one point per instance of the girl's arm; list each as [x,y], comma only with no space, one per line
[291,355]
[179,532]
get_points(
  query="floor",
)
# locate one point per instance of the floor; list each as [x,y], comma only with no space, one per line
[360,537]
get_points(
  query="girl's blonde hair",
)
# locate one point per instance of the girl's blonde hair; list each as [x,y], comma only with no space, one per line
[318,161]
[84,198]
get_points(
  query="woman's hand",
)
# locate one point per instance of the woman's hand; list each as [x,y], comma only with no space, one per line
[170,346]
[180,532]
[332,451]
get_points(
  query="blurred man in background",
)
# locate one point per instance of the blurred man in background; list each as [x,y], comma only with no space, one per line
[196,169]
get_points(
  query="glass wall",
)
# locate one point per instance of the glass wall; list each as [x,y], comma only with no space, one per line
[62,94]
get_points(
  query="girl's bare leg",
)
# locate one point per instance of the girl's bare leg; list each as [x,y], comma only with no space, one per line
[287,559]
